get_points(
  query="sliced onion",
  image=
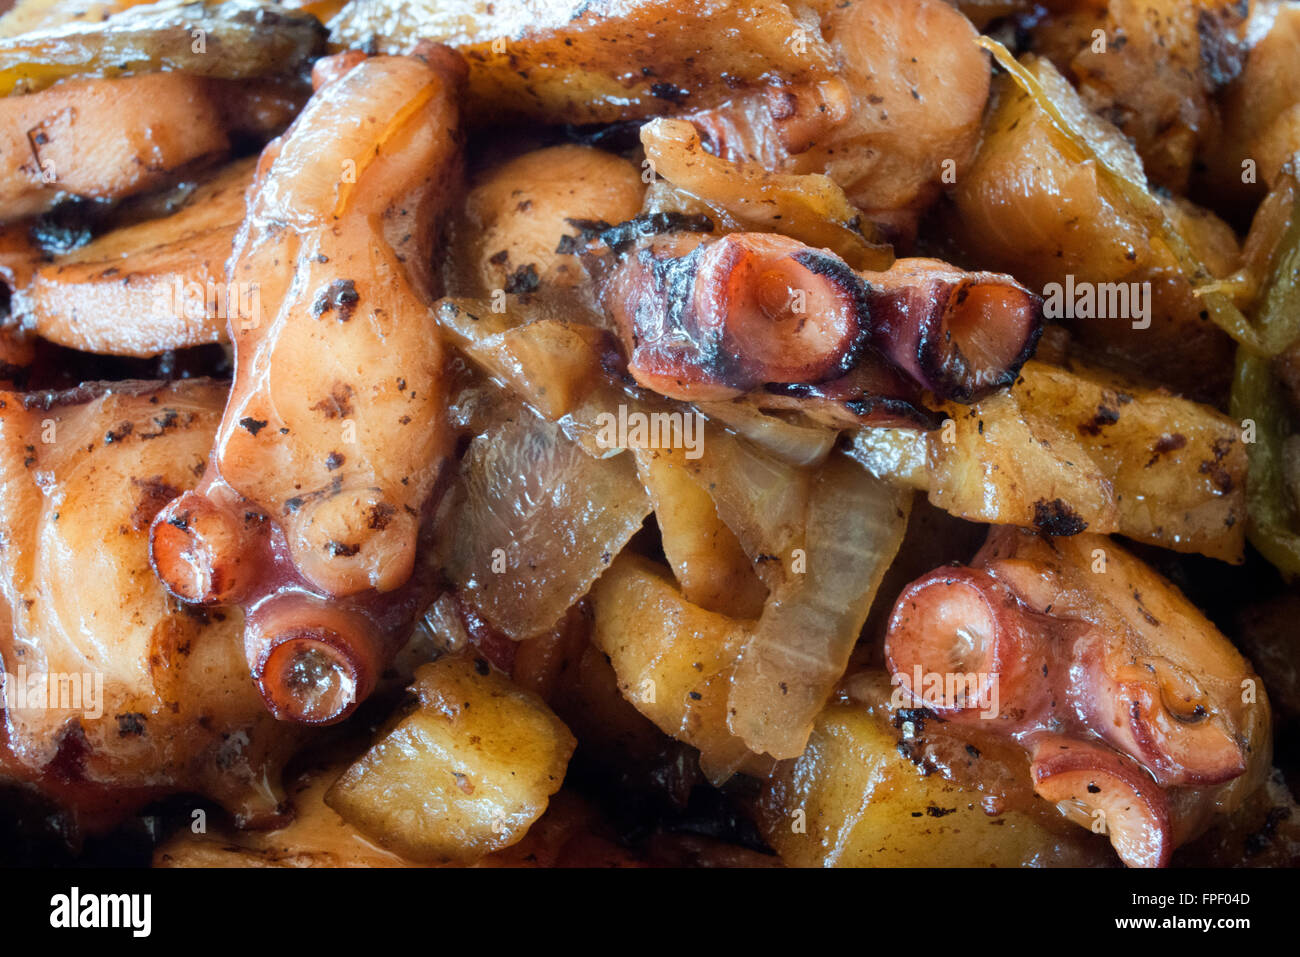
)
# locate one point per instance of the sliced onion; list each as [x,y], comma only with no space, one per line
[808,207]
[788,441]
[763,500]
[801,646]
[557,516]
[548,362]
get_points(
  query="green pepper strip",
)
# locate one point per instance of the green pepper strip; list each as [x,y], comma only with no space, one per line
[1257,397]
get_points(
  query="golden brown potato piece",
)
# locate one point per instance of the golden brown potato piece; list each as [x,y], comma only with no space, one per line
[852,800]
[1178,469]
[316,837]
[103,139]
[569,834]
[712,569]
[81,476]
[1260,111]
[673,659]
[517,214]
[1068,450]
[465,774]
[1154,71]
[1029,207]
[147,288]
[602,61]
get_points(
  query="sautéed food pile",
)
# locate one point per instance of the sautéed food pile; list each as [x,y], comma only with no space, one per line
[733,433]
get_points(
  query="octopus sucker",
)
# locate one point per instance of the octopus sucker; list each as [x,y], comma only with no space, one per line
[962,335]
[963,621]
[333,460]
[200,549]
[707,320]
[313,661]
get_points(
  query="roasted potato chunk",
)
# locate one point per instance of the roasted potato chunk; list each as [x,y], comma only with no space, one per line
[673,659]
[1068,450]
[465,774]
[1029,206]
[852,800]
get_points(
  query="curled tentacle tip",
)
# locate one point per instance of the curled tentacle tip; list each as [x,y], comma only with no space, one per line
[1179,736]
[724,318]
[199,550]
[313,661]
[1108,793]
[960,335]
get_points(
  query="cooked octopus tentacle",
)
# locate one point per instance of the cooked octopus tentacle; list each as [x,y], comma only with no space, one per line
[170,708]
[963,621]
[961,335]
[313,659]
[1096,786]
[201,547]
[715,320]
[334,434]
[1138,692]
[1153,709]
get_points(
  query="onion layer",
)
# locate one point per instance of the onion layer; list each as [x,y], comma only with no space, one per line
[803,640]
[532,520]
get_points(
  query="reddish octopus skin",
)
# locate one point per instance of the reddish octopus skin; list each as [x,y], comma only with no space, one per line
[1133,808]
[317,536]
[716,319]
[1095,704]
[1014,643]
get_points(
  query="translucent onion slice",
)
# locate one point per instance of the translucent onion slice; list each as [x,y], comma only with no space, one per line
[763,500]
[531,520]
[808,207]
[893,455]
[789,441]
[548,362]
[801,646]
